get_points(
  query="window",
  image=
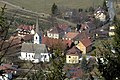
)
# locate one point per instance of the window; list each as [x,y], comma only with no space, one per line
[69,60]
[45,56]
[69,56]
[36,37]
[26,54]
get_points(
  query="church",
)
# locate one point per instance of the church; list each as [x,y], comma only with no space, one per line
[35,51]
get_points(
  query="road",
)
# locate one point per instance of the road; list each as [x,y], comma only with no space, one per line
[111,9]
[36,13]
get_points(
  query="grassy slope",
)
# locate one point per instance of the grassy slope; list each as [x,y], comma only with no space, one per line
[45,5]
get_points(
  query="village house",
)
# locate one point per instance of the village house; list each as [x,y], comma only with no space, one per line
[85,45]
[55,43]
[73,55]
[35,51]
[100,14]
[74,73]
[75,36]
[70,36]
[58,31]
[111,30]
[25,29]
[7,71]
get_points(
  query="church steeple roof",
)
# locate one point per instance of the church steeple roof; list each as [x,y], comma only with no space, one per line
[37,26]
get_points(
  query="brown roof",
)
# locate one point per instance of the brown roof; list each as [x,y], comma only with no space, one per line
[74,51]
[25,27]
[82,35]
[50,41]
[56,30]
[71,35]
[11,46]
[7,68]
[63,26]
[75,72]
[86,42]
[28,37]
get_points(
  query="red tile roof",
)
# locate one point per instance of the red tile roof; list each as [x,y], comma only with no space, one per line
[28,37]
[7,68]
[63,26]
[56,30]
[86,42]
[71,35]
[10,45]
[50,41]
[75,72]
[74,51]
[26,27]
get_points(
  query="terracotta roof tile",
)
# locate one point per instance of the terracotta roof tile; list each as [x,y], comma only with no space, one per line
[63,26]
[50,41]
[75,72]
[74,51]
[26,27]
[86,42]
[71,35]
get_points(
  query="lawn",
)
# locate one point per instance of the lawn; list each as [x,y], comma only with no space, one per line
[45,5]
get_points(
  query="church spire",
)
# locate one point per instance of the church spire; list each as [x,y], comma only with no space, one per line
[37,36]
[37,26]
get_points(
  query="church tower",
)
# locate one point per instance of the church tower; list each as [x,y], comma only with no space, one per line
[37,36]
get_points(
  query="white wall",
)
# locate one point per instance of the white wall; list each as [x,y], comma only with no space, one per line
[27,56]
[36,39]
[45,57]
[30,57]
[6,76]
[55,36]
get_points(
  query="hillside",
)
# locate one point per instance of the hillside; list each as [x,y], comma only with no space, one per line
[45,5]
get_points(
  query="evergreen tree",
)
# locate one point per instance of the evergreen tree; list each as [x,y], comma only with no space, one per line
[54,9]
[53,71]
[109,56]
[84,64]
[105,6]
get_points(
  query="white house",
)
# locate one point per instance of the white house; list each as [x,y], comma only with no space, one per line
[100,14]
[8,70]
[6,76]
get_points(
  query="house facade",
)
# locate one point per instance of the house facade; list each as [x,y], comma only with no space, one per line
[25,30]
[8,70]
[100,14]
[73,55]
[85,45]
[111,30]
[58,31]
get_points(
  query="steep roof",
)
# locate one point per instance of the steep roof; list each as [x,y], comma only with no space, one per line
[86,42]
[56,30]
[74,72]
[71,35]
[74,51]
[37,26]
[34,48]
[82,35]
[25,27]
[63,26]
[51,41]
